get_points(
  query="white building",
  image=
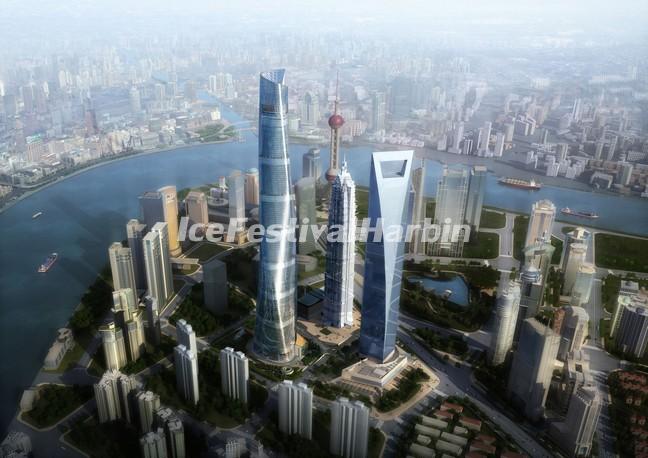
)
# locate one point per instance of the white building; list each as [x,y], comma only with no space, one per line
[113,396]
[349,428]
[158,264]
[295,409]
[121,266]
[576,255]
[112,339]
[573,330]
[153,444]
[196,208]
[543,214]
[235,375]
[147,404]
[186,368]
[582,288]
[508,307]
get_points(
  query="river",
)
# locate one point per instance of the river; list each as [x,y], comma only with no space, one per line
[83,214]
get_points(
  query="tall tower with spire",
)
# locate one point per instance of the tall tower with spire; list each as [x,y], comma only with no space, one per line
[336,121]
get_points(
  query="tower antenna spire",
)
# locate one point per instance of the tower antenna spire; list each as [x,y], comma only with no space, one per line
[337,91]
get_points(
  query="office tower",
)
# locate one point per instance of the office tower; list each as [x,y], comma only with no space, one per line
[235,375]
[391,200]
[417,244]
[349,428]
[113,396]
[135,100]
[252,187]
[506,314]
[632,335]
[112,339]
[295,409]
[236,197]
[153,444]
[450,211]
[135,232]
[541,222]
[539,255]
[274,336]
[121,266]
[166,419]
[196,208]
[186,368]
[147,404]
[576,433]
[475,199]
[499,145]
[340,252]
[576,254]
[215,288]
[310,110]
[378,111]
[335,122]
[157,264]
[572,331]
[582,289]
[306,214]
[532,368]
[312,164]
[531,292]
[186,335]
[154,332]
[161,206]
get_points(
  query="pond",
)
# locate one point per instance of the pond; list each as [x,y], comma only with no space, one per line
[455,288]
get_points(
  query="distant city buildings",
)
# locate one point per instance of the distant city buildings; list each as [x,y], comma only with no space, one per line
[295,409]
[390,198]
[235,375]
[349,428]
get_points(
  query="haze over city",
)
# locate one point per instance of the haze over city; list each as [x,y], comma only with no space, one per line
[344,228]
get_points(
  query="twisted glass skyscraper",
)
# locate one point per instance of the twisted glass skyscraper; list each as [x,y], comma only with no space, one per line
[274,336]
[390,204]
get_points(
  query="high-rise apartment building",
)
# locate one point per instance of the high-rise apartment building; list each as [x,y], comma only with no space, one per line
[506,314]
[532,368]
[167,419]
[113,396]
[340,254]
[543,214]
[349,428]
[147,404]
[157,264]
[574,259]
[121,266]
[582,289]
[295,409]
[274,336]
[112,338]
[235,374]
[153,444]
[154,332]
[391,201]
[135,232]
[186,369]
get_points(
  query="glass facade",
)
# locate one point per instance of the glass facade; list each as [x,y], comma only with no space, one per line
[390,199]
[274,336]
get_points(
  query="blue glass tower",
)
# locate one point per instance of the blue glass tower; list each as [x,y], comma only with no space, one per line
[274,336]
[391,201]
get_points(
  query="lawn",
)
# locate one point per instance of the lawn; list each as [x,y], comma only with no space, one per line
[484,246]
[55,403]
[407,388]
[621,252]
[492,219]
[520,226]
[206,250]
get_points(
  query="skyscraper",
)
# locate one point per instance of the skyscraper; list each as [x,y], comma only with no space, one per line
[632,335]
[349,428]
[531,295]
[450,211]
[186,369]
[295,409]
[306,214]
[236,197]
[152,209]
[274,336]
[235,375]
[312,164]
[154,335]
[134,333]
[167,419]
[391,201]
[335,122]
[417,245]
[215,286]
[121,266]
[310,110]
[147,404]
[196,208]
[112,339]
[113,396]
[170,201]
[252,187]
[378,111]
[575,257]
[582,289]
[576,433]
[543,214]
[135,232]
[157,264]
[340,254]
[475,199]
[532,368]
[572,331]
[153,444]
[186,335]
[508,306]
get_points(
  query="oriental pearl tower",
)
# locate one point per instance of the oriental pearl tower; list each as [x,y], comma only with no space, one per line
[335,122]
